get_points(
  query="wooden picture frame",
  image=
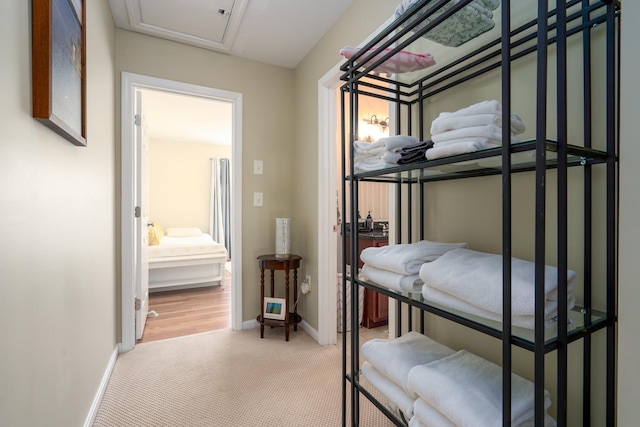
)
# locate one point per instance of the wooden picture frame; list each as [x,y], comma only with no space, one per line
[275,308]
[58,67]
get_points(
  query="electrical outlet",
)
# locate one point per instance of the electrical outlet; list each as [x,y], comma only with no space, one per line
[308,280]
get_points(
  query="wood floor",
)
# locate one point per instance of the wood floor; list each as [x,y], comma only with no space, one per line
[189,311]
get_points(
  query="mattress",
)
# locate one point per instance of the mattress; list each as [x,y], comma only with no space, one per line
[186,246]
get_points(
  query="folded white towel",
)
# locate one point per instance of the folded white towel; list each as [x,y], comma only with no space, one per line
[492,132]
[416,422]
[364,146]
[445,124]
[371,164]
[389,389]
[468,390]
[397,142]
[406,258]
[394,358]
[476,277]
[522,320]
[483,107]
[392,280]
[457,148]
[429,416]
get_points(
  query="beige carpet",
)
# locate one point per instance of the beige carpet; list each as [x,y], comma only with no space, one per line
[226,378]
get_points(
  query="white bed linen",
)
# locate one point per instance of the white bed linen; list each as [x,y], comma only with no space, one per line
[186,246]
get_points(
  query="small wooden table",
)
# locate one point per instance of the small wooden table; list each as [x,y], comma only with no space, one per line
[284,263]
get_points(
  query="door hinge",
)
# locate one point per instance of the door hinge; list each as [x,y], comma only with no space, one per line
[137,304]
[137,119]
[137,212]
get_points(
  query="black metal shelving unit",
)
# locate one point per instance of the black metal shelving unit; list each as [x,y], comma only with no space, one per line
[544,35]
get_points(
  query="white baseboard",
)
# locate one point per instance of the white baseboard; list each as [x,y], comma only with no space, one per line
[95,405]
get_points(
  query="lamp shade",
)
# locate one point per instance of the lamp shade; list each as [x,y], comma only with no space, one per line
[283,237]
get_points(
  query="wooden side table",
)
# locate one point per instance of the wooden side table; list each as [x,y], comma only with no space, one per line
[284,263]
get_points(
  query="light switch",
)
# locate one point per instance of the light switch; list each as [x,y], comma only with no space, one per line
[257,199]
[257,167]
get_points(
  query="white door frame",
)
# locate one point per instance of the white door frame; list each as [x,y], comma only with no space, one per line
[327,203]
[129,83]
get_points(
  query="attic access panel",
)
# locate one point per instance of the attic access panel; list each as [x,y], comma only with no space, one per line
[210,24]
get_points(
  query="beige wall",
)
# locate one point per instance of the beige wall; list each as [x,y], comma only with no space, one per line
[351,29]
[267,132]
[59,242]
[180,182]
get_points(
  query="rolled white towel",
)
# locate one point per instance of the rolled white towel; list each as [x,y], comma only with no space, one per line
[458,148]
[406,258]
[476,277]
[391,157]
[445,124]
[389,389]
[492,132]
[397,142]
[389,279]
[523,321]
[394,358]
[467,389]
[429,416]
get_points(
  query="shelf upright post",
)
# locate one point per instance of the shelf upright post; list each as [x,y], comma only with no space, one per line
[506,214]
[343,228]
[611,137]
[588,217]
[562,194]
[540,210]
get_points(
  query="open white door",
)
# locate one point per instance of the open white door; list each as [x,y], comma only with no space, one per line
[141,163]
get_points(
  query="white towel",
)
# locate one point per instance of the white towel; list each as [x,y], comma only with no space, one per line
[492,132]
[392,280]
[391,157]
[468,390]
[429,416]
[523,321]
[483,107]
[445,124]
[416,422]
[476,277]
[389,389]
[394,358]
[406,258]
[458,148]
[371,164]
[397,142]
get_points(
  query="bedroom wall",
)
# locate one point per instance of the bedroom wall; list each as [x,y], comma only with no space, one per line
[180,182]
[267,133]
[57,222]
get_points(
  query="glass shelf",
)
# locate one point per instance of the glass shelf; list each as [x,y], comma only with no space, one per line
[480,163]
[581,321]
[477,55]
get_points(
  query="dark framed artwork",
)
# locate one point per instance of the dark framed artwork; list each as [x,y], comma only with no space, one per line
[58,67]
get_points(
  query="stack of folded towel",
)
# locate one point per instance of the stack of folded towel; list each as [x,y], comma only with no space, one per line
[397,266]
[387,364]
[463,389]
[471,282]
[380,154]
[415,152]
[470,129]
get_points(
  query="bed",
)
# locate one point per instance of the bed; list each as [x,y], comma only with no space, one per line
[185,258]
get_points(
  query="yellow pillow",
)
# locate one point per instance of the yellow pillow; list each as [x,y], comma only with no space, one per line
[155,233]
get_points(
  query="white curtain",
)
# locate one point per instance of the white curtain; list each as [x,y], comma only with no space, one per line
[216,227]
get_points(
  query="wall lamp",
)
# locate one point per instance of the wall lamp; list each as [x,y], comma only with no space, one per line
[373,120]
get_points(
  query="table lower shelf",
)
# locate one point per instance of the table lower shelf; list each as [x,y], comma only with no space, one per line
[294,319]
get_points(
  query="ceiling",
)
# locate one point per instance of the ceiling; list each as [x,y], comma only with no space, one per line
[277,32]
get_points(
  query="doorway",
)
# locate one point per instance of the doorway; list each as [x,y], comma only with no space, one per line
[132,85]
